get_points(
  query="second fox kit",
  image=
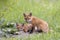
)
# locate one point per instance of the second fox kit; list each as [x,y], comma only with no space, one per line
[36,22]
[25,27]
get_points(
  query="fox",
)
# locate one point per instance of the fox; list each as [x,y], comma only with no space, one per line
[37,23]
[25,27]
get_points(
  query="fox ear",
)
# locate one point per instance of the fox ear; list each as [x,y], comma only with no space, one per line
[24,14]
[30,14]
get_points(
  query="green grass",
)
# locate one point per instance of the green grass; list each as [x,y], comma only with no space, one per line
[48,10]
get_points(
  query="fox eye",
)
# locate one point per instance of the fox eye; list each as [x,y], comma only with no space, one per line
[25,18]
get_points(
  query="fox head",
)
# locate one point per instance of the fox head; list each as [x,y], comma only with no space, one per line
[19,26]
[28,17]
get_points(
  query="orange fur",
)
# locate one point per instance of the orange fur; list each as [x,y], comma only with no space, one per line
[25,27]
[39,23]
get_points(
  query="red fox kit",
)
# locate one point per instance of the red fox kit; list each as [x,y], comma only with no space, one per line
[25,27]
[36,22]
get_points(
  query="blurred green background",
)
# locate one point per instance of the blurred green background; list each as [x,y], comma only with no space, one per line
[48,10]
